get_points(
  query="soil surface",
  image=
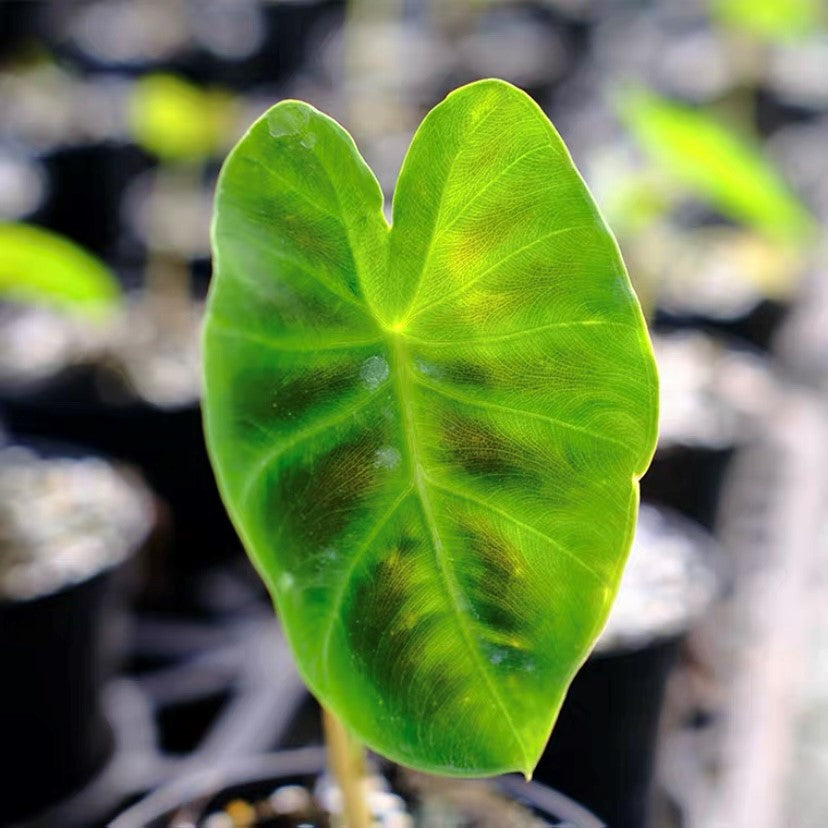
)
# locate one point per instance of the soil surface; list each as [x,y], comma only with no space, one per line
[146,348]
[62,520]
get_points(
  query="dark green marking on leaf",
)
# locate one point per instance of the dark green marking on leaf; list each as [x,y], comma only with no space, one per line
[428,435]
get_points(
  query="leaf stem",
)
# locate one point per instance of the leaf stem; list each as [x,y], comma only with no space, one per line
[347,764]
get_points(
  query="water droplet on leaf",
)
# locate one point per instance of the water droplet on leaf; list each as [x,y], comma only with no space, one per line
[387,458]
[374,371]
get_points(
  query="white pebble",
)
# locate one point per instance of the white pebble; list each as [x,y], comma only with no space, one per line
[290,799]
[219,820]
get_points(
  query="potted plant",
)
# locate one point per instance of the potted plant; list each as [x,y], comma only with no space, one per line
[69,524]
[715,400]
[116,380]
[428,435]
[603,749]
[129,387]
[717,242]
[291,789]
[727,240]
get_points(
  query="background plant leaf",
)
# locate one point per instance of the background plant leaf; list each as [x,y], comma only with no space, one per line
[771,20]
[176,120]
[429,437]
[717,165]
[41,267]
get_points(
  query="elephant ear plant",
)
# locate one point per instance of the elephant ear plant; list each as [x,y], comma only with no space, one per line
[428,434]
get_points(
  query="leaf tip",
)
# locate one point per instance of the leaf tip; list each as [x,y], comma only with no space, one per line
[289,119]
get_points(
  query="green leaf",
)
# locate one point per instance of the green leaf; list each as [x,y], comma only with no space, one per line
[41,267]
[428,437]
[176,120]
[715,164]
[771,20]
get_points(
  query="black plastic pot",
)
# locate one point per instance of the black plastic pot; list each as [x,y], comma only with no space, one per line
[708,413]
[50,705]
[195,693]
[287,28]
[20,25]
[201,273]
[774,112]
[603,746]
[756,327]
[87,184]
[191,798]
[59,649]
[689,479]
[167,444]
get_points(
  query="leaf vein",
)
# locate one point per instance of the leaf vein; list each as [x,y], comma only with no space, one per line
[297,439]
[287,346]
[419,483]
[305,268]
[431,240]
[487,186]
[339,597]
[487,340]
[520,412]
[522,524]
[292,188]
[464,287]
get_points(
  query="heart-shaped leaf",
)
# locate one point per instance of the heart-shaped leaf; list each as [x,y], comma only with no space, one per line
[428,437]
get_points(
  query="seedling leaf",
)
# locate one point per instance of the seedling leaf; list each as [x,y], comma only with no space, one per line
[428,436]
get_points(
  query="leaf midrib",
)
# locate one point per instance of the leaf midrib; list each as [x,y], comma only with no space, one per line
[399,370]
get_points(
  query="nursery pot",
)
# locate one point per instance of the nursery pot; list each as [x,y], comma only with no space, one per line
[87,183]
[714,396]
[59,641]
[286,31]
[166,443]
[603,747]
[688,477]
[268,782]
[756,327]
[50,704]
